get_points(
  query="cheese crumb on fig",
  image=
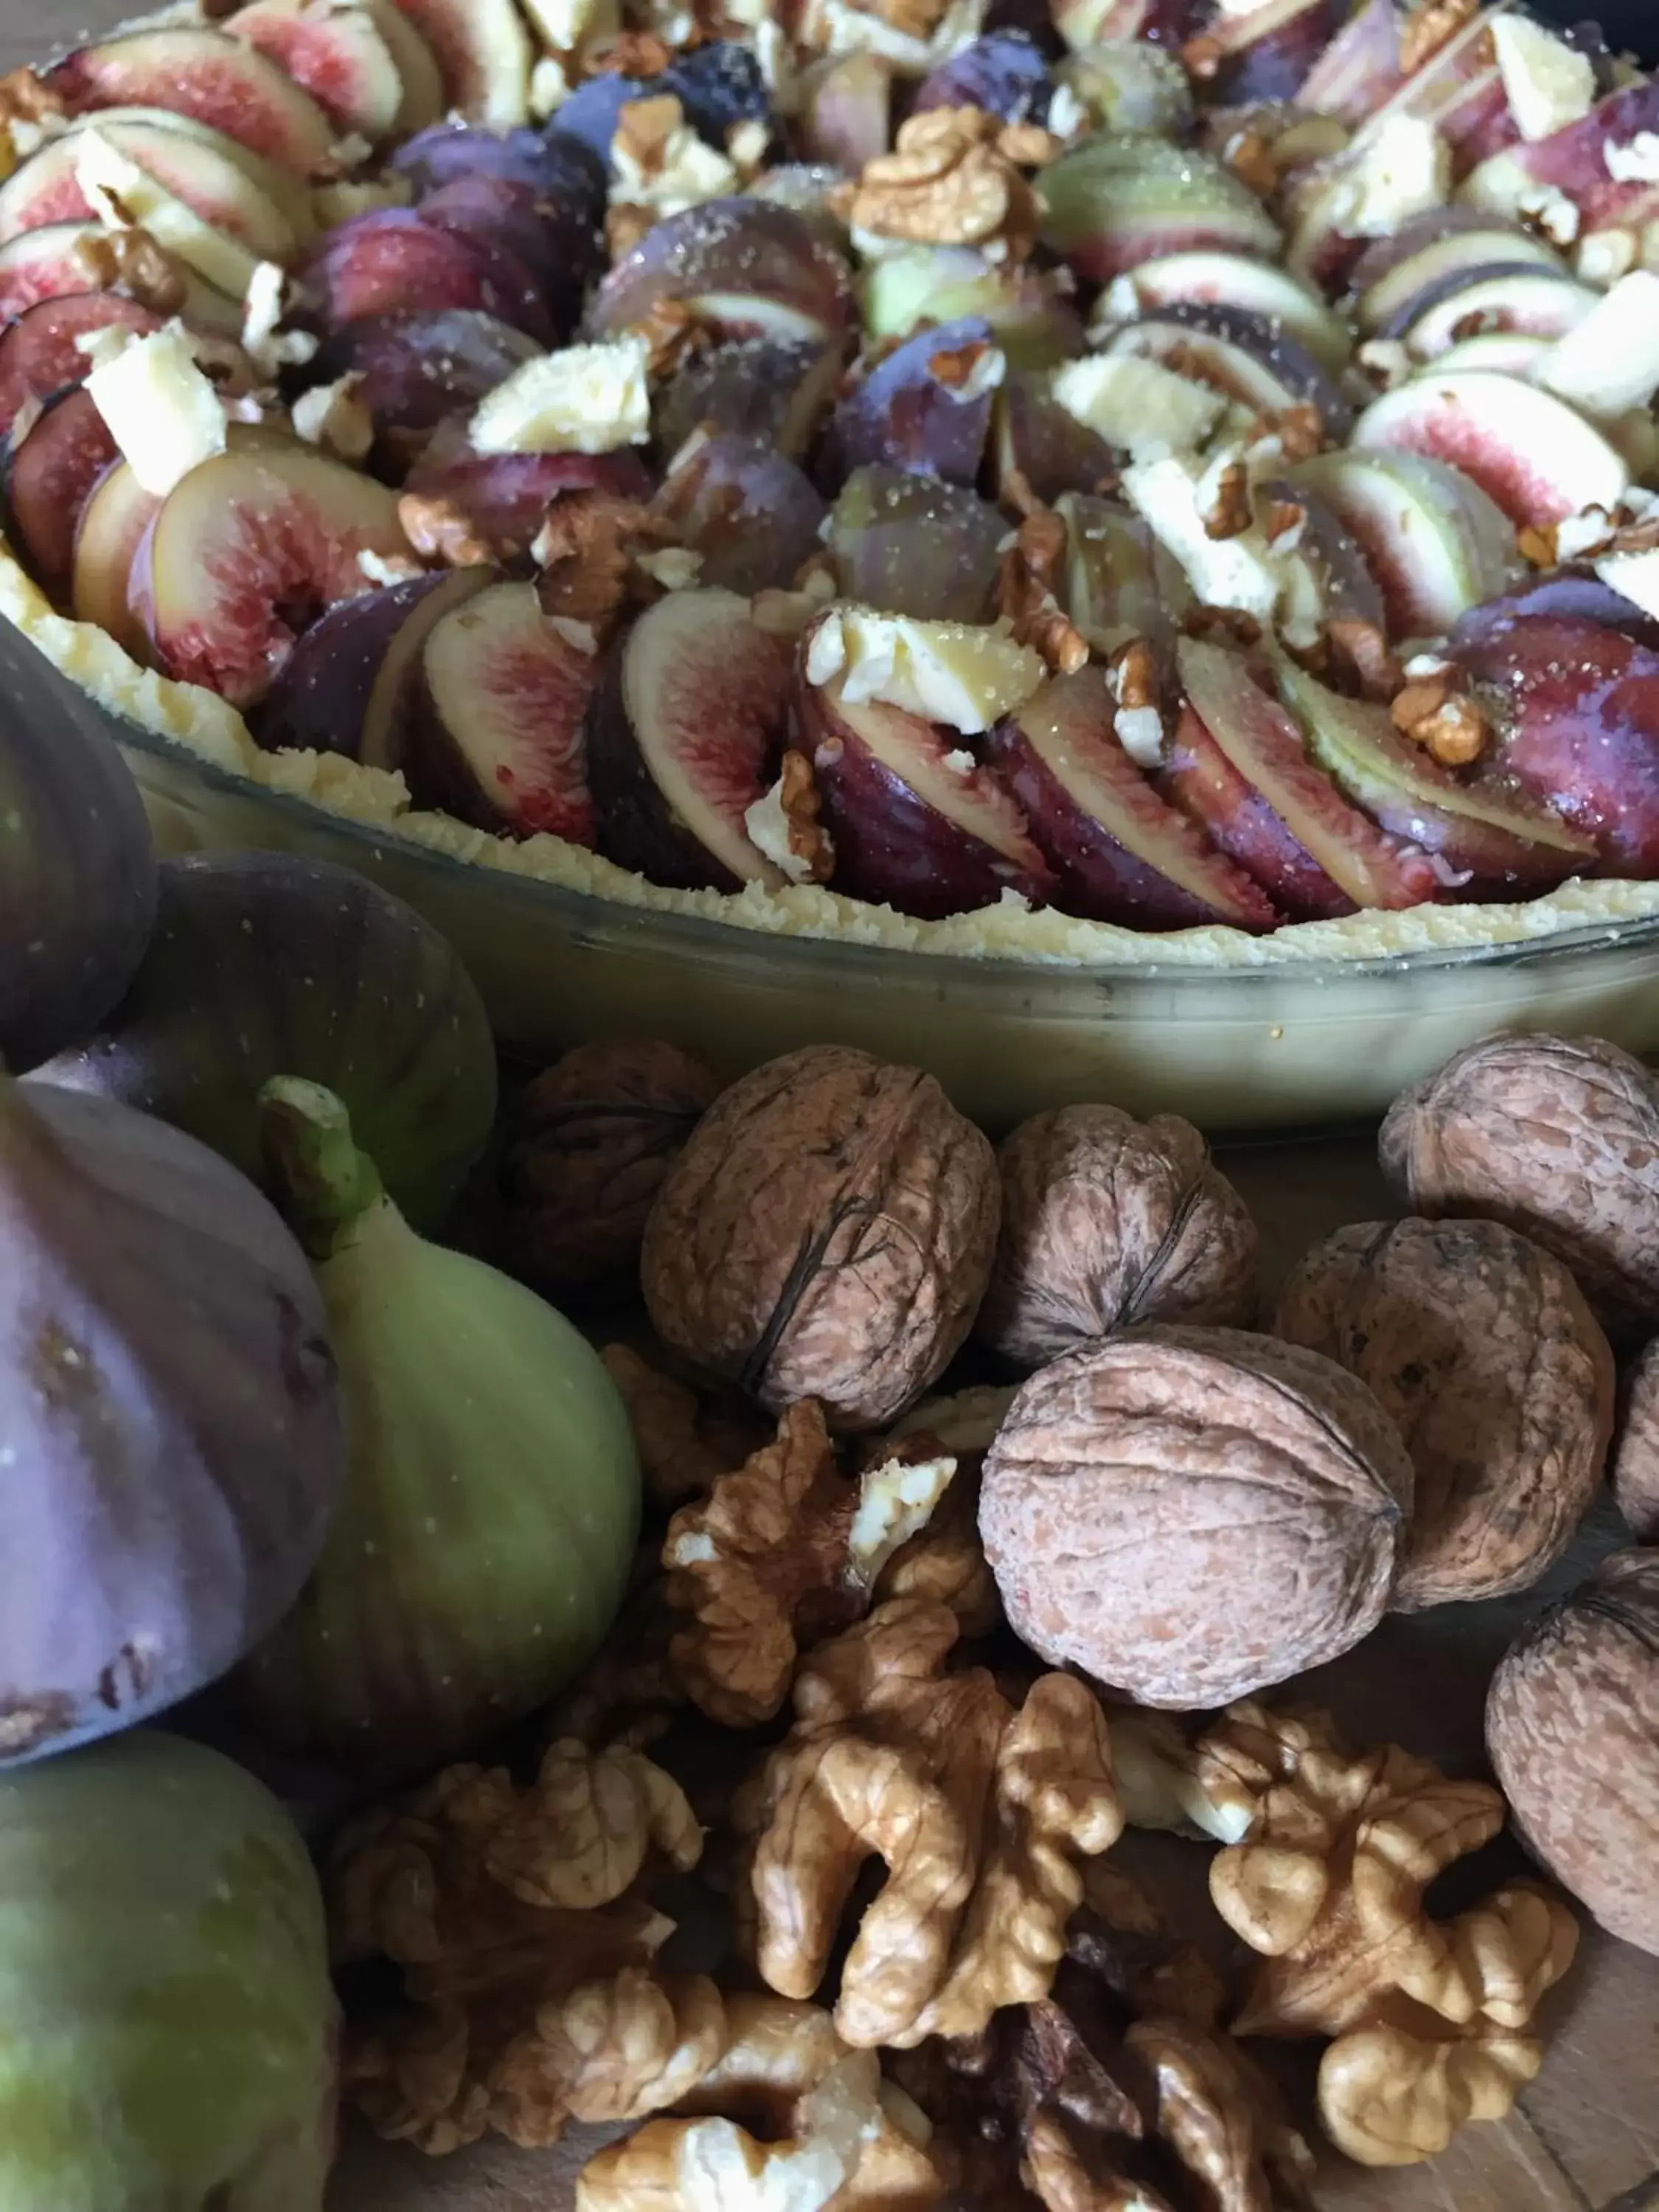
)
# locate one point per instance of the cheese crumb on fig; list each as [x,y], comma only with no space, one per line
[1609,363]
[162,412]
[582,399]
[1405,172]
[1239,572]
[123,196]
[332,416]
[1636,576]
[1636,161]
[1138,403]
[1140,732]
[769,829]
[1547,83]
[965,675]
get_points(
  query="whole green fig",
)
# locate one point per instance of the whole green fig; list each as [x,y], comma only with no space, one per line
[263,964]
[492,1500]
[168,2020]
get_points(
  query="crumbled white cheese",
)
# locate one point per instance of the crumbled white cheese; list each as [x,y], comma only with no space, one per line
[897,1500]
[1554,213]
[1241,572]
[583,399]
[1547,83]
[382,569]
[767,828]
[1586,531]
[1635,163]
[549,87]
[564,24]
[161,410]
[675,567]
[1405,170]
[682,172]
[1606,256]
[746,143]
[351,151]
[1067,116]
[966,675]
[779,73]
[331,415]
[123,196]
[985,373]
[580,635]
[1424,667]
[1386,362]
[961,762]
[1138,403]
[1634,575]
[1608,362]
[833,27]
[1140,733]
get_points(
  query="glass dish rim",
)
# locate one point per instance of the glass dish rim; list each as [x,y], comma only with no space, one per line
[586,911]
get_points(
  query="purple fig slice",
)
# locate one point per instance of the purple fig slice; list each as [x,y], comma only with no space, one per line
[39,353]
[1039,448]
[49,478]
[1122,581]
[1570,594]
[560,168]
[417,368]
[1242,354]
[1199,778]
[754,388]
[925,406]
[337,54]
[561,250]
[112,526]
[200,168]
[1005,73]
[918,822]
[386,261]
[504,497]
[202,74]
[1266,52]
[495,731]
[346,687]
[846,111]
[1513,295]
[1120,852]
[748,269]
[1432,248]
[67,258]
[915,545]
[682,733]
[1206,278]
[752,514]
[247,550]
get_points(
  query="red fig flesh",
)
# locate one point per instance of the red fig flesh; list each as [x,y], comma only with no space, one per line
[40,353]
[203,74]
[50,476]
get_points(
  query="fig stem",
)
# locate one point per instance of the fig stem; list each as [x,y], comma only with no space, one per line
[324,1184]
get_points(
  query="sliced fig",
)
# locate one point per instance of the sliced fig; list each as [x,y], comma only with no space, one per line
[1566,594]
[118,512]
[558,167]
[347,686]
[753,388]
[1121,199]
[337,54]
[1120,852]
[919,823]
[1435,542]
[914,545]
[925,406]
[1038,446]
[1537,458]
[247,550]
[482,50]
[495,730]
[40,353]
[424,100]
[1199,778]
[1512,296]
[1207,278]
[752,514]
[201,73]
[208,180]
[504,497]
[1122,581]
[589,117]
[1240,353]
[1337,577]
[1264,745]
[1030,315]
[1359,68]
[1005,73]
[746,268]
[542,231]
[294,195]
[49,477]
[1508,353]
[1265,53]
[416,370]
[1574,162]
[382,262]
[682,733]
[78,257]
[846,104]
[1430,248]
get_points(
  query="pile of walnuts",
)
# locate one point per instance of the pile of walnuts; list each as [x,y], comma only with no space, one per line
[838,1639]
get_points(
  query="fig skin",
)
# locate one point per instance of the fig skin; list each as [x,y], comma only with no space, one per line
[1572,1727]
[491,1506]
[263,964]
[78,870]
[164,1975]
[168,1404]
[1480,1347]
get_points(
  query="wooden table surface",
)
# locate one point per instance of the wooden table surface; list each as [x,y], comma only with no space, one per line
[1585,2138]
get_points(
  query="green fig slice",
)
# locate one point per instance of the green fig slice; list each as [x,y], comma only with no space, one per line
[262,964]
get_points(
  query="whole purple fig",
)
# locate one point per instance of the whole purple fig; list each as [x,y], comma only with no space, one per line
[170,1436]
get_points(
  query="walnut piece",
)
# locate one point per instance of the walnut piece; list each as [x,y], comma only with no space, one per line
[1558,1137]
[782,1553]
[945,1562]
[439,531]
[978,1810]
[952,178]
[585,551]
[1030,569]
[826,1234]
[1636,1459]
[1573,1725]
[1192,1513]
[1426,2015]
[686,1438]
[1429,25]
[130,262]
[519,1922]
[1481,1349]
[1213,1786]
[591,1144]
[1107,1221]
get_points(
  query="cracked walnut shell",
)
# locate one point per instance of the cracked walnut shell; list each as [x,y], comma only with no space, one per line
[1558,1137]
[827,1233]
[1572,1726]
[1480,1347]
[1108,1221]
[1190,1515]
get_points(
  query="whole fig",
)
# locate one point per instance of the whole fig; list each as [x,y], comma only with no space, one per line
[827,1233]
[77,871]
[164,1983]
[492,1503]
[263,964]
[170,1438]
[1572,1726]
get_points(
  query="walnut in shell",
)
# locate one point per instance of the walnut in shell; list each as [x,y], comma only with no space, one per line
[1636,1456]
[1573,1725]
[594,1138]
[1557,1136]
[827,1234]
[1480,1347]
[1190,1515]
[1108,1221]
